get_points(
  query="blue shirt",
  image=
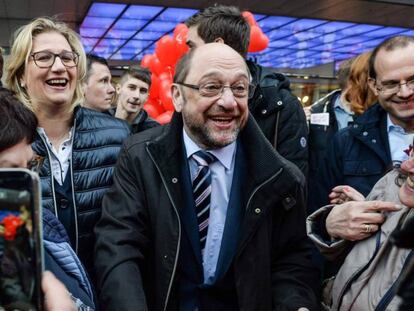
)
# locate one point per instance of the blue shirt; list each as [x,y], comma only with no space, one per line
[343,116]
[399,141]
[221,179]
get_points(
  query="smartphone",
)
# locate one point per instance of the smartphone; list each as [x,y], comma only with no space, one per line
[21,242]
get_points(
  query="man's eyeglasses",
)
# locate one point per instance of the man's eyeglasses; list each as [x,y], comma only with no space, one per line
[46,59]
[393,88]
[239,90]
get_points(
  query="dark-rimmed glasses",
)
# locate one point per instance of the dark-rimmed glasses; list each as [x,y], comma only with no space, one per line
[46,59]
[393,87]
[239,90]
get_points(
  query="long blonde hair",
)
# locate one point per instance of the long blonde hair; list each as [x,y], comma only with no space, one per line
[22,47]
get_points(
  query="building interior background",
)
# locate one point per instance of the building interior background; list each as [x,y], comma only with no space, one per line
[308,39]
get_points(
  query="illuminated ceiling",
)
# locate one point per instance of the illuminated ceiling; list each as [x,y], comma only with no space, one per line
[127,32]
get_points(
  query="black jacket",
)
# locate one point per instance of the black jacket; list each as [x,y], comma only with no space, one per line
[140,231]
[97,139]
[321,135]
[279,115]
[319,138]
[141,122]
[358,156]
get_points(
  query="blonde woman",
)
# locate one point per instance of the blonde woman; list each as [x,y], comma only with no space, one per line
[46,67]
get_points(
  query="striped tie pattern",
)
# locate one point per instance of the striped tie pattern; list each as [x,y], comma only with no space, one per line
[202,193]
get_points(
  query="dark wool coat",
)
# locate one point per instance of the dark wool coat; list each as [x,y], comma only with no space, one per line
[140,231]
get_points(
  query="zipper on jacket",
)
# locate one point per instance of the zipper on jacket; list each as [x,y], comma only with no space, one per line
[51,176]
[390,294]
[358,273]
[179,230]
[252,195]
[73,190]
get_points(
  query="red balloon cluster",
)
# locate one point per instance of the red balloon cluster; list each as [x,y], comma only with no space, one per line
[168,50]
[258,40]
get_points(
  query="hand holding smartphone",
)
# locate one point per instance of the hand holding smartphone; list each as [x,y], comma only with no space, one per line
[21,249]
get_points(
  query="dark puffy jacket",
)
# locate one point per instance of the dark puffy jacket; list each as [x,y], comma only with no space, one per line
[358,156]
[279,115]
[97,139]
[63,262]
[141,122]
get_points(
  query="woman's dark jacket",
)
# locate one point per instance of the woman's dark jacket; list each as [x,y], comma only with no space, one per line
[97,139]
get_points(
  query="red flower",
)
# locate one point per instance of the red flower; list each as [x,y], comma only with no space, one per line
[11,223]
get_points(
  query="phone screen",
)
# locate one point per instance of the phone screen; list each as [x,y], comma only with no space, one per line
[21,249]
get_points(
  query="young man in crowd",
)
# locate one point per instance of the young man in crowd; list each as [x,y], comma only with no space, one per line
[132,92]
[98,89]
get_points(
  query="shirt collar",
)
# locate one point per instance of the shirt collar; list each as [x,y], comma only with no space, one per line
[338,105]
[391,127]
[224,155]
[41,131]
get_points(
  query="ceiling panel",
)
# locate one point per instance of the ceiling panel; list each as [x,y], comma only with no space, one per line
[130,31]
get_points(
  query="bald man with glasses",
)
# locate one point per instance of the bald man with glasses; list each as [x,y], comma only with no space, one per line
[204,214]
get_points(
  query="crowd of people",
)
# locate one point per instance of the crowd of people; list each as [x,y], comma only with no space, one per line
[231,205]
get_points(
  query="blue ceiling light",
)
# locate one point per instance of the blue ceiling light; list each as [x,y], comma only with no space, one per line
[128,32]
[106,9]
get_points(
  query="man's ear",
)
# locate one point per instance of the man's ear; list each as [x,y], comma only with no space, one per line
[219,40]
[371,83]
[177,97]
[117,88]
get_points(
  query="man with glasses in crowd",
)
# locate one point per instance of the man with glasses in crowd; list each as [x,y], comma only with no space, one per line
[378,140]
[203,213]
[276,110]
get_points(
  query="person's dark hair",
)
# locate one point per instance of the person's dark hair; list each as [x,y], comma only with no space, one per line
[343,73]
[389,44]
[90,60]
[221,21]
[137,72]
[183,67]
[1,64]
[17,122]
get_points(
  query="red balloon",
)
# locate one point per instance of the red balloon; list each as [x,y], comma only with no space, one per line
[180,37]
[154,91]
[180,33]
[181,48]
[165,50]
[165,94]
[155,107]
[155,65]
[146,60]
[258,40]
[151,110]
[250,18]
[166,75]
[165,117]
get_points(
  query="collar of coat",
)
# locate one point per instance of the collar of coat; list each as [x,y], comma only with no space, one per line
[262,161]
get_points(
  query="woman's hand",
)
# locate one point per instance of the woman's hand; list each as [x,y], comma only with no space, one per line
[342,194]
